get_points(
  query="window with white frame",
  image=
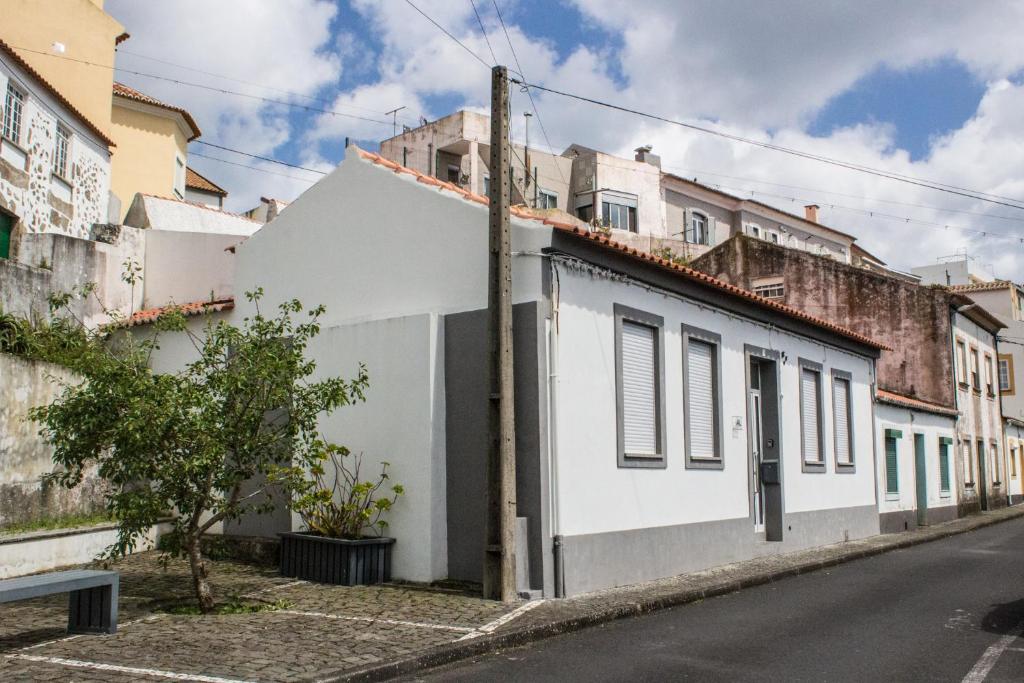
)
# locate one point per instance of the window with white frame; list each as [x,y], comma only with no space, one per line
[702,398]
[698,232]
[892,463]
[754,230]
[619,216]
[945,444]
[487,186]
[811,440]
[14,105]
[547,199]
[842,418]
[62,144]
[771,288]
[639,401]
[773,237]
[1006,374]
[968,465]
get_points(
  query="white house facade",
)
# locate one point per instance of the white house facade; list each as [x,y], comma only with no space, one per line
[633,462]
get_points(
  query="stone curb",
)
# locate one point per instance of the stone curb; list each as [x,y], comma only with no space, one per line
[453,652]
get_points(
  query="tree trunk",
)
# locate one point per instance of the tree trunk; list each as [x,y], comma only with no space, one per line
[200,578]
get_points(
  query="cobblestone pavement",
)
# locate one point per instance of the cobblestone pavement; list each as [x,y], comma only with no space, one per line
[370,633]
[324,628]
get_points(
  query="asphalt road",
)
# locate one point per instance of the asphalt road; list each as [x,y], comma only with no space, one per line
[951,610]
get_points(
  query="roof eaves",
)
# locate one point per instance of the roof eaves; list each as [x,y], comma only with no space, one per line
[151,315]
[892,398]
[129,93]
[8,50]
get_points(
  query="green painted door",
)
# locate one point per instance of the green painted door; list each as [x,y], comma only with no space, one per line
[6,227]
[921,478]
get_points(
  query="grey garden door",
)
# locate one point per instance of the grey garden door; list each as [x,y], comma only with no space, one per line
[764,445]
[921,480]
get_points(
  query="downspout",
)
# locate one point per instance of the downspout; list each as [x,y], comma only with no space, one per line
[556,517]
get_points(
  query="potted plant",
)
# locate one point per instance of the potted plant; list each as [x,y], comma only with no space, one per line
[343,542]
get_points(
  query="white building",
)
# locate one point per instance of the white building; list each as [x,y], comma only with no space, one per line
[665,421]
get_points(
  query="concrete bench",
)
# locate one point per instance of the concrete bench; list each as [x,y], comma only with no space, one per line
[92,604]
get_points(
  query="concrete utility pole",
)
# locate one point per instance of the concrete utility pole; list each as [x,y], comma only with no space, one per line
[499,548]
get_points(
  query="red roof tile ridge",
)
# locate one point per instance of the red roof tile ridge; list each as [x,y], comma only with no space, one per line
[198,181]
[893,397]
[200,206]
[4,47]
[133,94]
[188,309]
[632,251]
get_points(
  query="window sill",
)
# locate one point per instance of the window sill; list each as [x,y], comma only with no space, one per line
[637,461]
[969,486]
[704,464]
[14,144]
[892,496]
[846,468]
[945,494]
[813,467]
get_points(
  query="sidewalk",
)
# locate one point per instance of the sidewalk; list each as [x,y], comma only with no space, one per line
[332,633]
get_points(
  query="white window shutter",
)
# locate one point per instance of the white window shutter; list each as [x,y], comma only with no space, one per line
[809,412]
[688,235]
[639,389]
[841,409]
[711,230]
[701,398]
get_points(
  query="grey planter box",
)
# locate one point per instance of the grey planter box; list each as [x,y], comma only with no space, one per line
[336,560]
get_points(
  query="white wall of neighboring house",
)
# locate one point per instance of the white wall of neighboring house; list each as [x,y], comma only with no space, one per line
[941,504]
[184,267]
[86,187]
[596,497]
[981,418]
[1014,438]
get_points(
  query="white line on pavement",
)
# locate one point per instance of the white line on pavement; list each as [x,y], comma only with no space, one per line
[501,621]
[394,622]
[96,666]
[988,660]
[274,588]
[151,617]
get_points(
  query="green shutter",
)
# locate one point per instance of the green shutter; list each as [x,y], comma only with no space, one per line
[892,482]
[944,464]
[6,226]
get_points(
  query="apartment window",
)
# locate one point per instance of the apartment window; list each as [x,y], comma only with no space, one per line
[60,151]
[811,441]
[945,443]
[968,466]
[990,386]
[487,186]
[961,361]
[1013,462]
[975,376]
[773,237]
[772,289]
[842,418]
[585,213]
[754,230]
[14,104]
[547,200]
[997,466]
[892,473]
[453,174]
[698,232]
[619,216]
[639,387]
[1006,374]
[702,398]
[179,177]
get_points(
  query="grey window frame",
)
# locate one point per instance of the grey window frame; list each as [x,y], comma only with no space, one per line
[805,466]
[844,467]
[715,340]
[627,460]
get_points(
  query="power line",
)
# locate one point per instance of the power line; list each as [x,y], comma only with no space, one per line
[932,185]
[445,31]
[261,158]
[252,168]
[533,104]
[214,88]
[484,31]
[243,82]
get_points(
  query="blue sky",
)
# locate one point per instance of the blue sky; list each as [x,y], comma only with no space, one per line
[944,101]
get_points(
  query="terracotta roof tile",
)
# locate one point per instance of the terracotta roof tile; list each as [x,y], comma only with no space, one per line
[915,403]
[7,49]
[981,286]
[683,271]
[198,182]
[195,308]
[122,90]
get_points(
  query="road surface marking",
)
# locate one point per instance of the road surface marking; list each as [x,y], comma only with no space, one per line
[96,666]
[989,658]
[152,617]
[274,588]
[501,621]
[375,620]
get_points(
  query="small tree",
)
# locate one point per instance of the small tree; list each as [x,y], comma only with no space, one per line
[230,434]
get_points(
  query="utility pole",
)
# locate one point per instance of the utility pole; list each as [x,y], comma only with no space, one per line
[394,120]
[526,162]
[499,548]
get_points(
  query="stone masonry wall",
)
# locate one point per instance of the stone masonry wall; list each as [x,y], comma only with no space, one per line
[912,319]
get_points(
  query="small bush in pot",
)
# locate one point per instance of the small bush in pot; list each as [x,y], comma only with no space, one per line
[344,516]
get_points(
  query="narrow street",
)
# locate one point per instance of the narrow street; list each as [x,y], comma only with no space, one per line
[951,610]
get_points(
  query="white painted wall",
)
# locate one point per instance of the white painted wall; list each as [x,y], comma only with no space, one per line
[912,422]
[182,267]
[595,495]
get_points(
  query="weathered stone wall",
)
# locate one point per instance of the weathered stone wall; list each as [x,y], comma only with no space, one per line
[25,458]
[912,319]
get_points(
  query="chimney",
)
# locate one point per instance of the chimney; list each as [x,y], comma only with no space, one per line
[811,212]
[643,155]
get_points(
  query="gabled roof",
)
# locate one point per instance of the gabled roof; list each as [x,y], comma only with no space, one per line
[194,308]
[202,183]
[162,213]
[612,245]
[122,90]
[16,58]
[971,309]
[902,401]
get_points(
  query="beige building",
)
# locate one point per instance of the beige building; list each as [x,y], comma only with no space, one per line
[152,146]
[57,37]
